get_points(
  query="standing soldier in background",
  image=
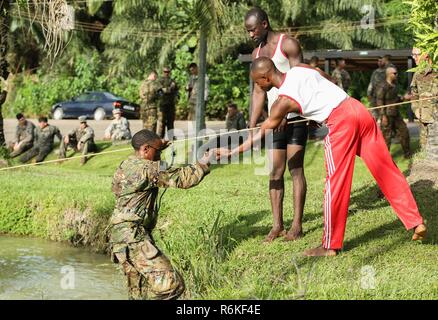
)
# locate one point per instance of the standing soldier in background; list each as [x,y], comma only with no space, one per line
[118,128]
[392,121]
[45,136]
[24,136]
[149,94]
[192,89]
[378,77]
[342,77]
[314,62]
[424,85]
[136,185]
[79,139]
[166,110]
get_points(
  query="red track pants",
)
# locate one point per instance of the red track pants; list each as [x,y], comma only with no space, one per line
[353,131]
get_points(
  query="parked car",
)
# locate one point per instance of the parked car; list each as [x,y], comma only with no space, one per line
[97,104]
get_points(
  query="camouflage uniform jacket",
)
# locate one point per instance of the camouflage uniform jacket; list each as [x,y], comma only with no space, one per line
[83,135]
[193,85]
[26,133]
[387,94]
[378,76]
[149,93]
[46,136]
[121,125]
[135,185]
[169,90]
[235,123]
[343,79]
[425,85]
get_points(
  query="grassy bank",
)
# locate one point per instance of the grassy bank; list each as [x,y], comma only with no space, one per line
[214,232]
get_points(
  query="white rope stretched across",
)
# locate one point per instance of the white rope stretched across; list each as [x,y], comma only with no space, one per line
[191,138]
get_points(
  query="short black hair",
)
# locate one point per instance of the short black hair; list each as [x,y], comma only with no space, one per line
[193,65]
[387,57]
[143,137]
[314,59]
[232,105]
[43,119]
[338,61]
[19,116]
[259,13]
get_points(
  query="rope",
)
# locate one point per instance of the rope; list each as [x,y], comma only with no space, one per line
[193,138]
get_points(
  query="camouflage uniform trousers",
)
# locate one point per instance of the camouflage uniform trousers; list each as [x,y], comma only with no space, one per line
[40,151]
[86,147]
[119,135]
[432,141]
[149,272]
[398,126]
[149,117]
[424,134]
[21,149]
[166,118]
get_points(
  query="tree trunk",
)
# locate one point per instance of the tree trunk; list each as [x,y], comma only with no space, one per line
[4,31]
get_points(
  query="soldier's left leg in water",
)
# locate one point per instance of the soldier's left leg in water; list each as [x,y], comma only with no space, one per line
[159,279]
[402,133]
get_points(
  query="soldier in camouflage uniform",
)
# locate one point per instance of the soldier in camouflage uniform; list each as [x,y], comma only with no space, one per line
[424,85]
[24,136]
[45,135]
[342,77]
[377,78]
[234,119]
[79,139]
[391,121]
[150,92]
[166,110]
[136,184]
[118,128]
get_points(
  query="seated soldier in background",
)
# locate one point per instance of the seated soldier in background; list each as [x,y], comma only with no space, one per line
[24,136]
[43,145]
[79,139]
[119,128]
[234,120]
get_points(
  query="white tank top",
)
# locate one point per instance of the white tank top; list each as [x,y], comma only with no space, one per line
[315,95]
[281,62]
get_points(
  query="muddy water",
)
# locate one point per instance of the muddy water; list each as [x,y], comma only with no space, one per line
[38,269]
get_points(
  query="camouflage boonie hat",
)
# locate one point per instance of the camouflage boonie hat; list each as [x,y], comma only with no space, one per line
[82,119]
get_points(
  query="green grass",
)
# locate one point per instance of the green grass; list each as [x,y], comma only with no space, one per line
[213,233]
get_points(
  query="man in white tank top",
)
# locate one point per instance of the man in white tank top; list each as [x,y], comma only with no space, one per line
[352,132]
[289,141]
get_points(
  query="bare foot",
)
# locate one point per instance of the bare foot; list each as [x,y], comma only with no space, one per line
[294,233]
[419,232]
[320,252]
[274,233]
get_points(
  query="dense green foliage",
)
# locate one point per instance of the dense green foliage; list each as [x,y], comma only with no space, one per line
[424,23]
[214,232]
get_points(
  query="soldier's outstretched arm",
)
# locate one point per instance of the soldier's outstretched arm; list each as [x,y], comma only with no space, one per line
[184,177]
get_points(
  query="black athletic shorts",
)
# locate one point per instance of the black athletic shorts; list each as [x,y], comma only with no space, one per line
[295,133]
